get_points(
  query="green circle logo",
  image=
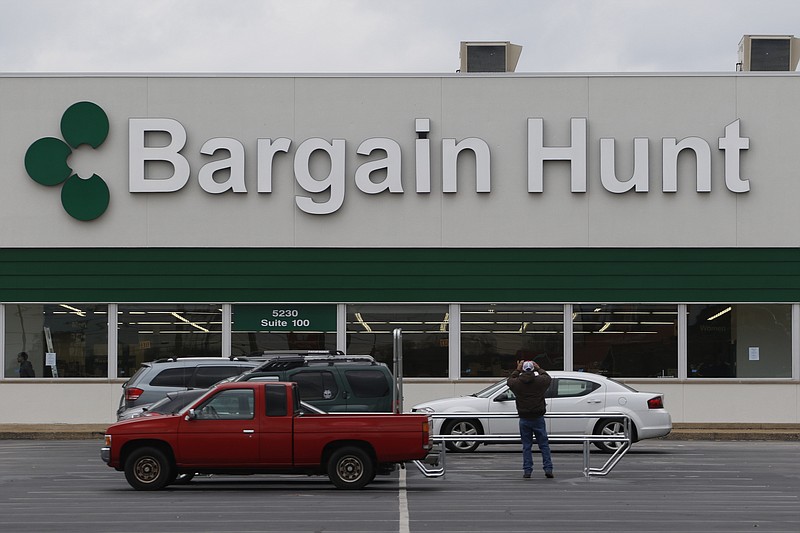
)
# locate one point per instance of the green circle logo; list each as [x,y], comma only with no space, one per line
[46,161]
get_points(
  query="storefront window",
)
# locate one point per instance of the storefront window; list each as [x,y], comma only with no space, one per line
[60,340]
[739,341]
[626,340]
[425,336]
[155,331]
[495,337]
[260,327]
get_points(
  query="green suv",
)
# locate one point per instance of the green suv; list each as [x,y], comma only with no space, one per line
[331,381]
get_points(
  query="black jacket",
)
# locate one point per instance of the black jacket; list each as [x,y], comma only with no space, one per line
[529,390]
[26,370]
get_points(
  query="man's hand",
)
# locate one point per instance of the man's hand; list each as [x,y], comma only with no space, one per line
[519,365]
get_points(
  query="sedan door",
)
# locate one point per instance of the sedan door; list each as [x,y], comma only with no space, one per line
[572,395]
[503,402]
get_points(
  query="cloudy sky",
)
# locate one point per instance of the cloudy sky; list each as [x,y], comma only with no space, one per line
[376,36]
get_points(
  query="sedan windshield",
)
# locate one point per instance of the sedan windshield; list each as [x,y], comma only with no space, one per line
[490,390]
[174,403]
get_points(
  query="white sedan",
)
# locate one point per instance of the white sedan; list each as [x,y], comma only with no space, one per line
[569,392]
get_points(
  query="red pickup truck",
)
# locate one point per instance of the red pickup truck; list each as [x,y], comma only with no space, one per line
[257,427]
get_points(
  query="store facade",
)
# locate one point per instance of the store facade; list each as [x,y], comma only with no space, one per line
[638,226]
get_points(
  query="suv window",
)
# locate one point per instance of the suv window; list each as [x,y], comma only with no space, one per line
[367,383]
[205,376]
[316,385]
[172,377]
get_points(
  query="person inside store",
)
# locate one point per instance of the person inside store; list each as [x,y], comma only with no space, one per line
[25,366]
[529,383]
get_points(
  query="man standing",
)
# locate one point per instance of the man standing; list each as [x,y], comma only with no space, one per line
[25,366]
[529,383]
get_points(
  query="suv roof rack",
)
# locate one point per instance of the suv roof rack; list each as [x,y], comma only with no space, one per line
[286,362]
[266,355]
[195,358]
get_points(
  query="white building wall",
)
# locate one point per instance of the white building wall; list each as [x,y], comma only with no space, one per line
[79,401]
[494,109]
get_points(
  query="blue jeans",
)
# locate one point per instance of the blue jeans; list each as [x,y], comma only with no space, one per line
[528,429]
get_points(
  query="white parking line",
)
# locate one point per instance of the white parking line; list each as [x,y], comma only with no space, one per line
[403,503]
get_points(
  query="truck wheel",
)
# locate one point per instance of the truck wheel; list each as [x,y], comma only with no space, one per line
[148,469]
[350,468]
[462,427]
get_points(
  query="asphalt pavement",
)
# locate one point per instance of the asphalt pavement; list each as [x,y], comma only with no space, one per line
[659,486]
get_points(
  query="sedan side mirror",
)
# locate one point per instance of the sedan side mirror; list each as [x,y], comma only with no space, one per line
[502,397]
[191,415]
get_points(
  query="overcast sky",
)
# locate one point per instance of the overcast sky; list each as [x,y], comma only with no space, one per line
[376,36]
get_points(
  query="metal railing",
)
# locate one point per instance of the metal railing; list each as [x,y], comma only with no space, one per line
[431,469]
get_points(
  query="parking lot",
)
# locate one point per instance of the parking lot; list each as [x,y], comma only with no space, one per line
[659,486]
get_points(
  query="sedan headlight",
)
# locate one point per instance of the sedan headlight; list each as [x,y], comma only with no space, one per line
[424,410]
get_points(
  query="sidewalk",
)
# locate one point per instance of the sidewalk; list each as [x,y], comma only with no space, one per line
[728,431]
[680,431]
[52,431]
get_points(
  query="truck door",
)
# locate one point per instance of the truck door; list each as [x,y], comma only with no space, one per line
[224,431]
[276,427]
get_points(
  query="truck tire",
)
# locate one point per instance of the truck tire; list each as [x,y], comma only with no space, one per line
[148,468]
[350,467]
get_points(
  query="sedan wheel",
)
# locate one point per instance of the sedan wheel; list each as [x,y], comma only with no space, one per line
[612,428]
[466,428]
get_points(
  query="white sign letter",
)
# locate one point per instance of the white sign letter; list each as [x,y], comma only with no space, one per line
[422,146]
[538,154]
[671,150]
[334,181]
[235,163]
[391,163]
[641,172]
[450,151]
[732,144]
[139,154]
[266,153]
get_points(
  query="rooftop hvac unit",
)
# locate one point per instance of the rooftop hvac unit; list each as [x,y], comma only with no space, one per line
[489,56]
[768,53]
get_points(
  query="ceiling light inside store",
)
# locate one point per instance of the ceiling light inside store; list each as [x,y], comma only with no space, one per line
[193,324]
[363,324]
[73,309]
[726,310]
